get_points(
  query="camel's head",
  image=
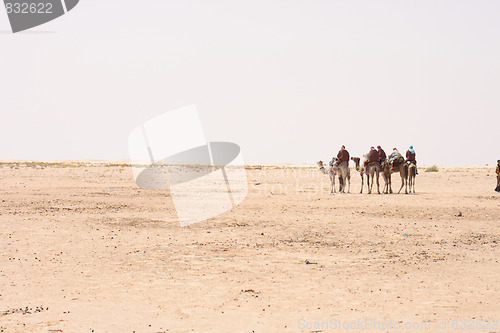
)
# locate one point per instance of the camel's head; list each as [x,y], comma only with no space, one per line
[321,167]
[356,161]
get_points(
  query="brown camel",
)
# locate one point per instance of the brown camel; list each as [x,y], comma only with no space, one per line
[360,167]
[372,170]
[388,171]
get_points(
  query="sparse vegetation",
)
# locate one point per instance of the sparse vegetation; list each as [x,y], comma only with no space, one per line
[433,168]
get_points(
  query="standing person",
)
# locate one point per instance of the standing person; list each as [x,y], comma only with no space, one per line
[343,156]
[498,176]
[381,154]
[411,156]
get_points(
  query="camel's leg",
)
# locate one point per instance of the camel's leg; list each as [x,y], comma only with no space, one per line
[332,182]
[369,184]
[378,182]
[406,186]
[362,181]
[388,178]
[384,190]
[372,181]
[390,184]
[348,179]
[406,180]
[402,184]
[413,183]
[348,183]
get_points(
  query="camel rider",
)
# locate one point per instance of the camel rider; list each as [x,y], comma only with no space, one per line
[381,154]
[498,176]
[395,157]
[372,157]
[343,156]
[411,156]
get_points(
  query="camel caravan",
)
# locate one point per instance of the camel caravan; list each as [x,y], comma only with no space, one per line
[374,164]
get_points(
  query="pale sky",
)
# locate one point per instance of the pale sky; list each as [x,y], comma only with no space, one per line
[289,81]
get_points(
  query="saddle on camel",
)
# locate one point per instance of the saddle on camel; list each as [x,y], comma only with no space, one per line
[342,156]
[395,159]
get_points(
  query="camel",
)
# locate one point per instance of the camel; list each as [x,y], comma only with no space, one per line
[412,173]
[360,167]
[331,172]
[372,170]
[387,171]
[343,172]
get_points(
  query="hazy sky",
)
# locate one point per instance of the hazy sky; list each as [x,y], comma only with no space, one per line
[289,81]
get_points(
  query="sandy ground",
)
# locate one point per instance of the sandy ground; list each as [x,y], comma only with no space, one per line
[82,249]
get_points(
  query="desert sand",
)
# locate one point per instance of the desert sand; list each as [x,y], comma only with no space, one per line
[83,249]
